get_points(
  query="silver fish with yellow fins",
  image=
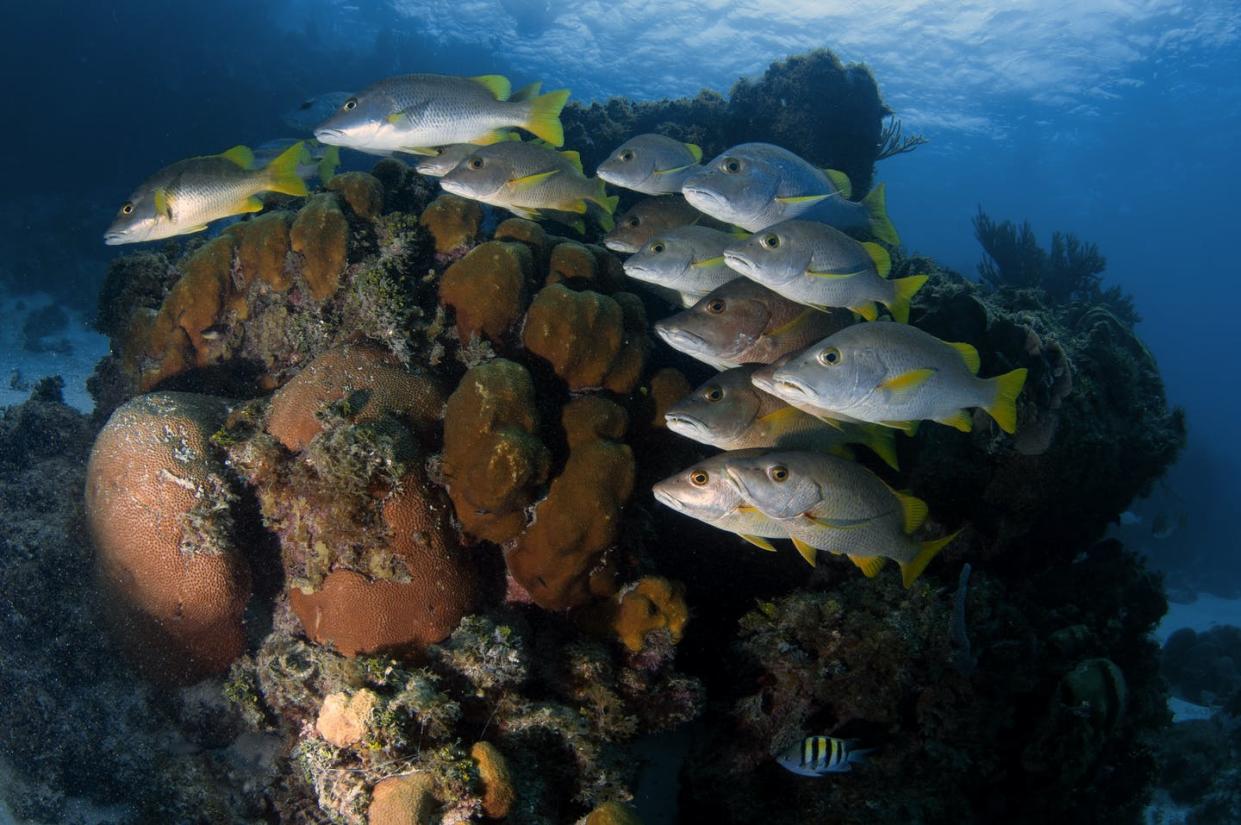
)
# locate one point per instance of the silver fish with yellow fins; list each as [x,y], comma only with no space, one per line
[652,164]
[688,259]
[705,492]
[756,185]
[897,375]
[648,217]
[188,195]
[416,112]
[821,755]
[531,180]
[817,265]
[730,412]
[745,323]
[830,504]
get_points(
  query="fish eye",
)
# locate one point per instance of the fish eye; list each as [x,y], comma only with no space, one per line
[658,247]
[771,241]
[626,155]
[714,393]
[699,478]
[829,357]
[127,209]
[731,165]
[350,104]
[475,163]
[779,473]
[715,306]
[633,220]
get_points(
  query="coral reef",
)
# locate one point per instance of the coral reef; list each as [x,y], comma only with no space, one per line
[386,467]
[1204,668]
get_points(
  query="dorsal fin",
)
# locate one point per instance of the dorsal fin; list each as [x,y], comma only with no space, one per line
[497,84]
[883,261]
[239,155]
[573,157]
[968,354]
[695,151]
[841,181]
[527,92]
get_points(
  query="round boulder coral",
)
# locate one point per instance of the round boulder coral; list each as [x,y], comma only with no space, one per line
[158,505]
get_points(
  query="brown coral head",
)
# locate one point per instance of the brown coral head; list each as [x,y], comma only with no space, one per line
[159,507]
[419,605]
[373,377]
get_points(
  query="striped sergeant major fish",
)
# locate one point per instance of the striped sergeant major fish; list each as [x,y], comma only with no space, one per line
[819,755]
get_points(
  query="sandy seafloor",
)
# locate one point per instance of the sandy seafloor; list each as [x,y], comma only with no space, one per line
[21,369]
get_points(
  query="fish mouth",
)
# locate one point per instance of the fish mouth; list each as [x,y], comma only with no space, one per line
[617,245]
[640,273]
[114,238]
[679,339]
[330,136]
[607,176]
[682,424]
[454,187]
[667,499]
[704,196]
[738,264]
[788,385]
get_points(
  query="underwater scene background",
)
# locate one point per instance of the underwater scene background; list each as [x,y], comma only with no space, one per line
[371,506]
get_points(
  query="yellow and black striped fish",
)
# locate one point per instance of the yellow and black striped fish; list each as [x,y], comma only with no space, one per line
[819,755]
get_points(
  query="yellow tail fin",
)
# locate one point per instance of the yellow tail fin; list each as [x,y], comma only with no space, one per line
[1004,408]
[544,119]
[911,570]
[903,292]
[880,224]
[329,163]
[282,174]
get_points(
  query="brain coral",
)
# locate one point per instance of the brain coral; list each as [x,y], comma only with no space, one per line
[157,502]
[374,379]
[420,605]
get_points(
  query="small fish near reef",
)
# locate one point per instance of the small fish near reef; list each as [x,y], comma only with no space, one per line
[651,164]
[415,113]
[532,181]
[830,504]
[446,158]
[705,492]
[730,412]
[649,217]
[897,375]
[756,185]
[817,265]
[745,323]
[186,196]
[821,755]
[688,259]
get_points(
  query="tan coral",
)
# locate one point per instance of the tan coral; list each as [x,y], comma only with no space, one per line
[562,559]
[487,290]
[453,221]
[343,719]
[494,461]
[320,234]
[158,507]
[612,813]
[667,386]
[529,233]
[408,799]
[652,603]
[360,614]
[499,793]
[262,251]
[381,383]
[591,340]
[363,193]
[584,266]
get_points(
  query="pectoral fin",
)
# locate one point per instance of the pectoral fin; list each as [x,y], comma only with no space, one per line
[906,381]
[801,199]
[673,170]
[163,206]
[706,263]
[425,151]
[832,276]
[695,151]
[841,181]
[533,180]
